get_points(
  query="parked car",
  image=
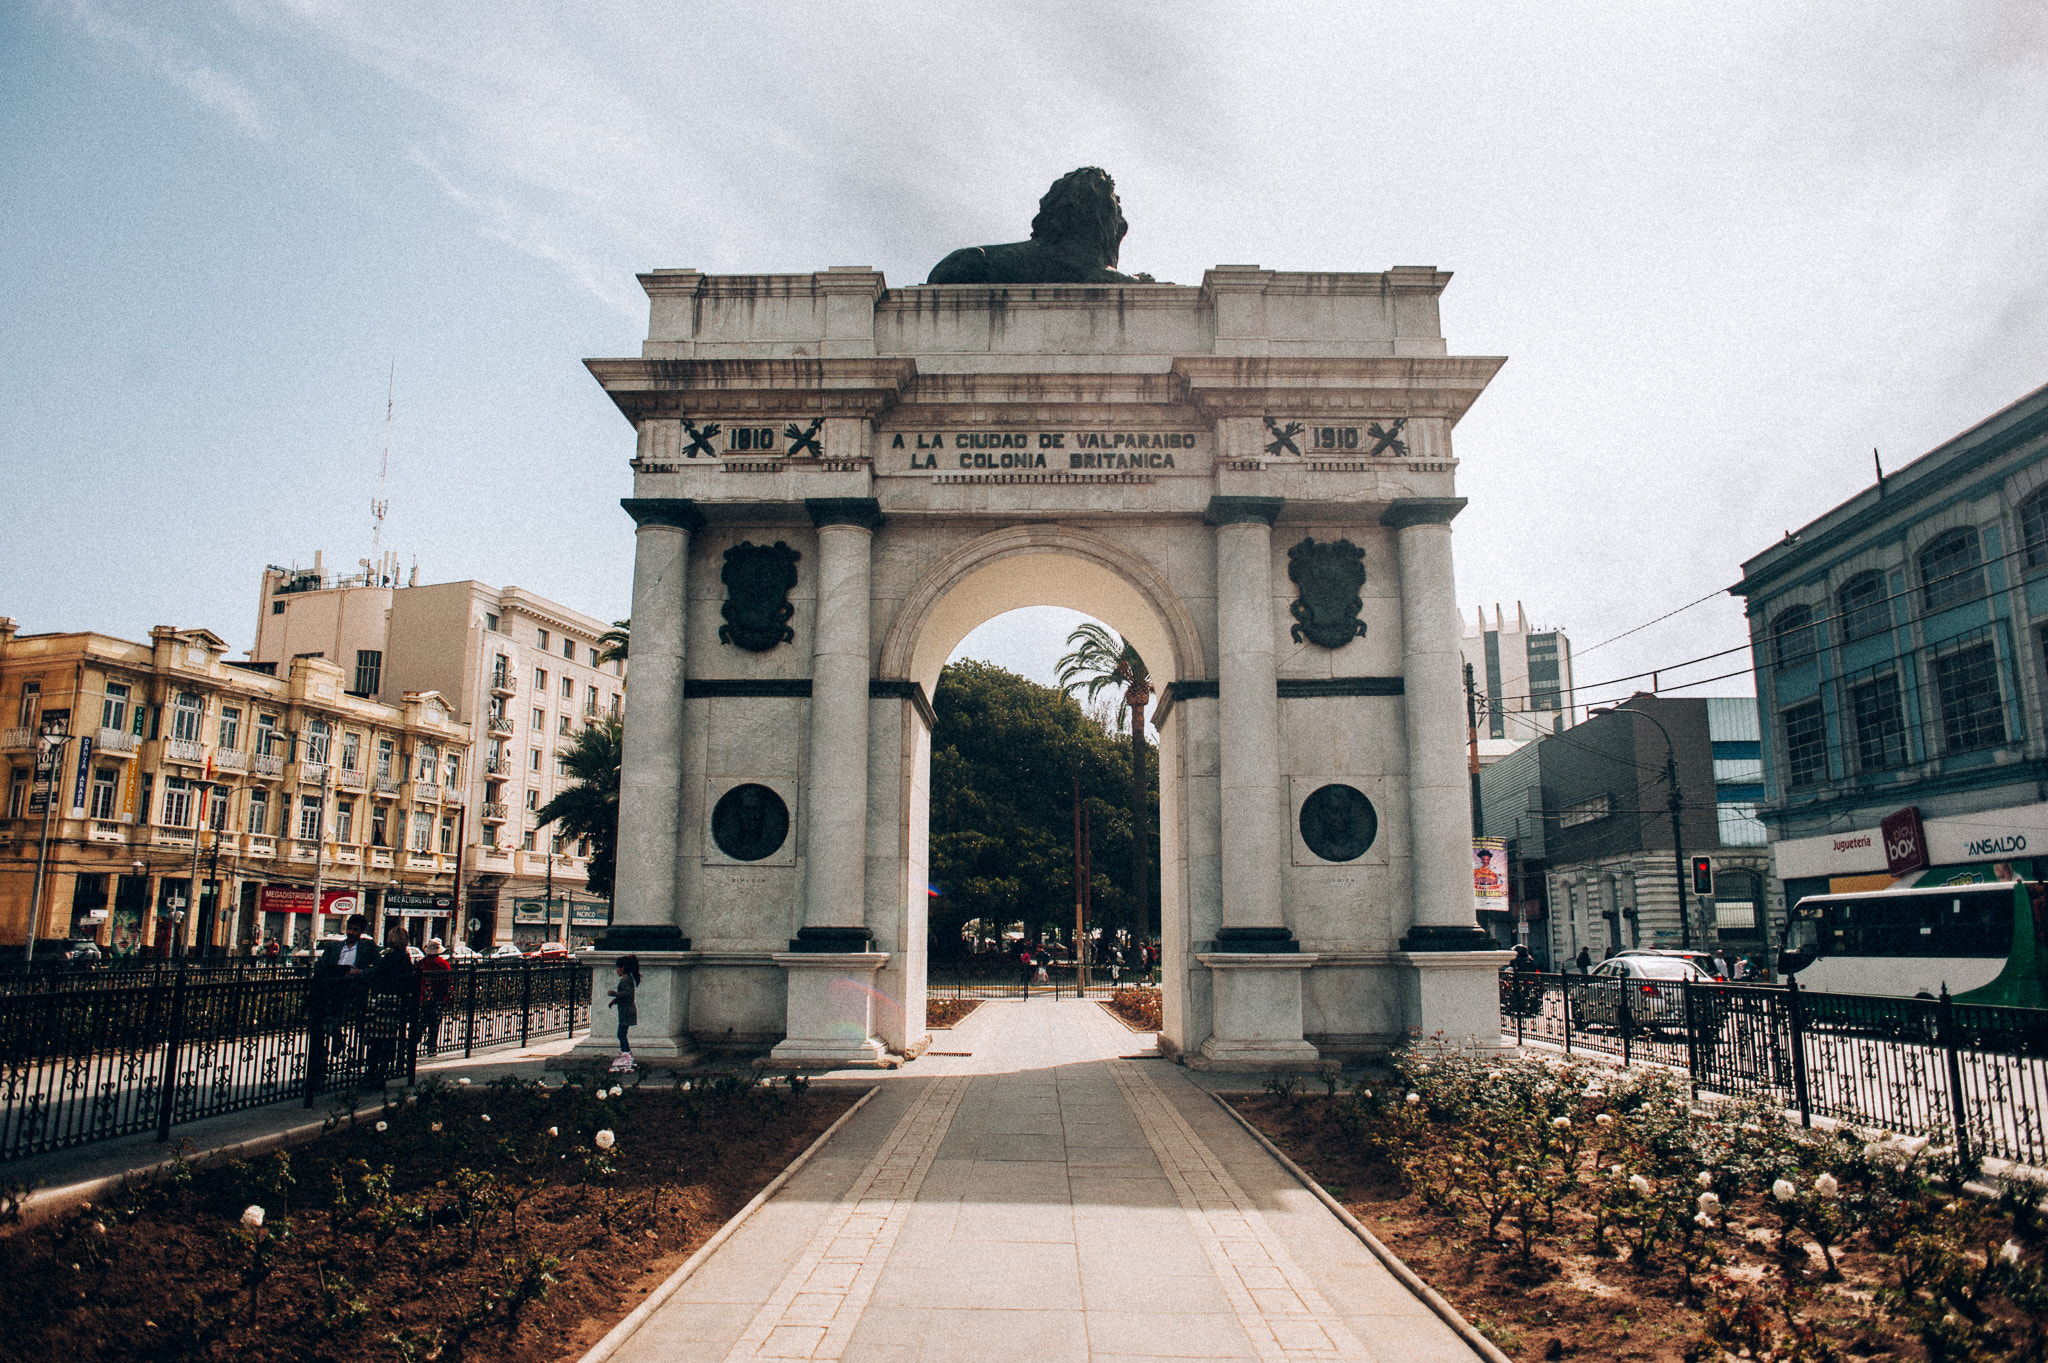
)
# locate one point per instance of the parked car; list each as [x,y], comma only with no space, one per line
[505,949]
[1703,959]
[84,950]
[463,951]
[1641,987]
[549,951]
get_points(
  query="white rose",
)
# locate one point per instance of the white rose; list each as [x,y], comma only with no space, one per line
[1562,1123]
[1783,1190]
[383,1126]
[617,1091]
[252,1217]
[463,1083]
[436,1126]
[606,1140]
[553,1132]
[1706,1179]
[1710,1203]
[485,1115]
[1413,1099]
[2009,1252]
[1605,1119]
[1826,1186]
[1912,1145]
[1703,1218]
[1640,1184]
[1363,1093]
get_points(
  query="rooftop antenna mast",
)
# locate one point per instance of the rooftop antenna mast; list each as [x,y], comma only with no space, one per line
[381,503]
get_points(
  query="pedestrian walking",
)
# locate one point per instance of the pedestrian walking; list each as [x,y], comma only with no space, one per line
[1720,964]
[437,982]
[622,999]
[1584,961]
[1026,963]
[394,991]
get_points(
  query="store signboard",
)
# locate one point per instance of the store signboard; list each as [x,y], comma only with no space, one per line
[530,911]
[291,899]
[412,903]
[1986,836]
[592,915]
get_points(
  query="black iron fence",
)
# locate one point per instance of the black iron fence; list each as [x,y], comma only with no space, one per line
[982,981]
[1923,1067]
[131,1053]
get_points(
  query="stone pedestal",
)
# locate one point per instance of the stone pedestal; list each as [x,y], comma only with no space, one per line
[661,1038]
[831,1010]
[1453,997]
[1258,1010]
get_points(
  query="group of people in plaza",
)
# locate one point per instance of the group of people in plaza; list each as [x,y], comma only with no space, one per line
[389,990]
[1122,963]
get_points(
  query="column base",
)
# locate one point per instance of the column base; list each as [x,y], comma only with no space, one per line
[829,1020]
[1448,937]
[661,1037]
[1257,1022]
[1452,998]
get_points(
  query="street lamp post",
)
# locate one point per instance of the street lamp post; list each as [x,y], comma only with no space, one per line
[1676,803]
[54,738]
[179,946]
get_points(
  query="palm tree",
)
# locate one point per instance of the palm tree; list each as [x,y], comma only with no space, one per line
[611,645]
[590,807]
[1098,661]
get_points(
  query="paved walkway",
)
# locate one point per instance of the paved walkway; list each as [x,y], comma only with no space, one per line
[1043,1200]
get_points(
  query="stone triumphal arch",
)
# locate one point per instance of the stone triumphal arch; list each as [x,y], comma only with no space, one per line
[1251,479]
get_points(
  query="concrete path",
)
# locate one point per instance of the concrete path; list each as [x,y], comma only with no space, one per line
[1041,1200]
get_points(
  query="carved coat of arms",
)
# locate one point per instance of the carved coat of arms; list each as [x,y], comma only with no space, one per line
[757,580]
[1327,578]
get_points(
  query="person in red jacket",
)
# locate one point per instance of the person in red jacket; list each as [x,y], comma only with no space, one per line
[437,982]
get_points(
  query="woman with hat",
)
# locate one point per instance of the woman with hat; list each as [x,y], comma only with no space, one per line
[437,981]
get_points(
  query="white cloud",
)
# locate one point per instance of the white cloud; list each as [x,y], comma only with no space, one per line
[183,63]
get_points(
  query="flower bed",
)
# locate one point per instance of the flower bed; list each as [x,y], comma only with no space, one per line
[948,1012]
[1138,1007]
[508,1223]
[1573,1210]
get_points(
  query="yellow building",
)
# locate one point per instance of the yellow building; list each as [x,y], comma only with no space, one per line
[288,786]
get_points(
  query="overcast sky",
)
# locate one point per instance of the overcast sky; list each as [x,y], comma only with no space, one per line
[1727,249]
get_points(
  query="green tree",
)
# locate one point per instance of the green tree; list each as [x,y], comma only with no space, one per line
[589,807]
[612,644]
[1099,660]
[1005,752]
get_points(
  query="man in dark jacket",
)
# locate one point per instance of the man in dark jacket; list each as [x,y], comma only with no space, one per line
[349,956]
[340,978]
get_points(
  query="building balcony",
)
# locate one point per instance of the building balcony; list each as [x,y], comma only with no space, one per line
[312,773]
[351,780]
[496,811]
[170,837]
[227,759]
[454,795]
[116,743]
[264,764]
[425,793]
[421,861]
[504,684]
[498,766]
[185,750]
[381,859]
[499,726]
[305,851]
[260,846]
[14,740]
[102,831]
[388,785]
[347,855]
[489,860]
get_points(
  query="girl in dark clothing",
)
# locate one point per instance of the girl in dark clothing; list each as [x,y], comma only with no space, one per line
[622,999]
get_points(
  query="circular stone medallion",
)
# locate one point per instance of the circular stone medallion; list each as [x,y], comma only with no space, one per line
[1338,823]
[749,822]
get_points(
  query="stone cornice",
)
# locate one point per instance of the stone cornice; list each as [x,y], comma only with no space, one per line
[1416,386]
[1242,510]
[864,512]
[724,390]
[1407,511]
[678,512]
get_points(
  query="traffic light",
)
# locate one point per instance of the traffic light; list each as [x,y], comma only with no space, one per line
[1703,875]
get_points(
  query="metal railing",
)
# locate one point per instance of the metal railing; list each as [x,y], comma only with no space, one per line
[979,981]
[95,1055]
[1928,1067]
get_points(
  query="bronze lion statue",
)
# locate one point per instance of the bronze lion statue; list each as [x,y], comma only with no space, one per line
[1074,240]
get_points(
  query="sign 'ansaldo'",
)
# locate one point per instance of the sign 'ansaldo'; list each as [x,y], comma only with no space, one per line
[1250,478]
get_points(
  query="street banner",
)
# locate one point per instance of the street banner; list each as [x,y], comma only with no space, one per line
[84,769]
[1489,873]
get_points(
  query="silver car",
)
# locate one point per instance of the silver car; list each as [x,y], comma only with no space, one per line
[1646,986]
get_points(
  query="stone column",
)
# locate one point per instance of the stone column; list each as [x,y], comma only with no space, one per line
[645,903]
[829,1016]
[1254,812]
[1439,787]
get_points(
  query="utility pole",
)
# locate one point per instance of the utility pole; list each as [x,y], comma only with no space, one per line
[1677,844]
[319,843]
[1135,696]
[1472,750]
[54,738]
[1080,968]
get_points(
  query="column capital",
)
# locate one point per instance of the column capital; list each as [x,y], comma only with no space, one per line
[1403,512]
[865,512]
[679,512]
[1242,510]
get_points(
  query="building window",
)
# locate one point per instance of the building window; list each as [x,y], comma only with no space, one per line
[447,833]
[379,822]
[540,720]
[568,688]
[561,764]
[309,818]
[501,671]
[319,738]
[1880,724]
[1972,710]
[177,810]
[451,770]
[230,727]
[105,782]
[422,830]
[542,636]
[114,709]
[590,700]
[429,762]
[562,724]
[17,793]
[185,712]
[277,608]
[369,670]
[31,704]
[615,705]
[351,752]
[533,764]
[2034,529]
[1738,898]
[1806,745]
[569,649]
[528,843]
[490,622]
[344,820]
[583,848]
[1792,637]
[595,661]
[259,812]
[1865,610]
[266,730]
[1952,569]
[555,844]
[1585,811]
[532,798]
[490,835]
[217,809]
[1546,671]
[386,750]
[540,681]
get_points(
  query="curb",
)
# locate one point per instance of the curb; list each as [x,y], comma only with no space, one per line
[630,1326]
[1428,1295]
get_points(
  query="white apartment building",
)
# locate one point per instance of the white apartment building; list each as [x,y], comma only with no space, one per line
[1524,681]
[521,670]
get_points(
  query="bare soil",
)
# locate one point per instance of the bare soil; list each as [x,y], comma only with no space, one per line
[948,1012]
[462,1231]
[1137,1008]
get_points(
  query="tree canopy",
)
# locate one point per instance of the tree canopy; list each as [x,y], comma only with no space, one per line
[589,808]
[1004,753]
